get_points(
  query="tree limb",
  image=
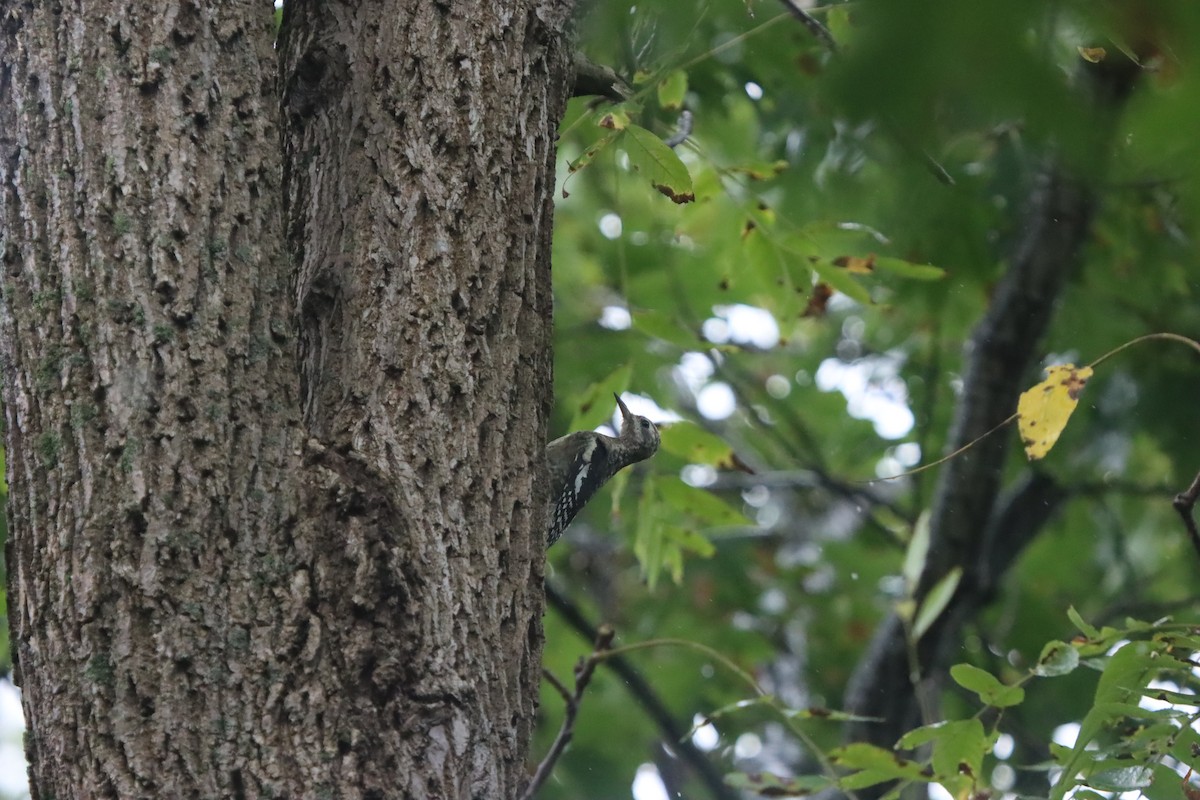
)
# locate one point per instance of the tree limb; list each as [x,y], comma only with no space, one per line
[583,676]
[598,79]
[1184,503]
[970,526]
[632,679]
[814,25]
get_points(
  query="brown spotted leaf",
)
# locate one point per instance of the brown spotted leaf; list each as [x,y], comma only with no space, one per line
[1043,411]
[650,156]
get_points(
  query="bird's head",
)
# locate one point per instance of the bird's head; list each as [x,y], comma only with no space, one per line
[638,434]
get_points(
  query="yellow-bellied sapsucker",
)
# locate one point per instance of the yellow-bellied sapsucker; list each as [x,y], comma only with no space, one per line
[581,462]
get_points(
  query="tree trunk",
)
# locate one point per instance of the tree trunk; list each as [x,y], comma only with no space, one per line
[974,523]
[274,518]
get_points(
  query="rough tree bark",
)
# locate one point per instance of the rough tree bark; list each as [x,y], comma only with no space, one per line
[275,525]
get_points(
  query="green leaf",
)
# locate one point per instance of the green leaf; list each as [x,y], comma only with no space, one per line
[916,553]
[936,601]
[923,735]
[650,156]
[1057,658]
[689,540]
[648,541]
[759,259]
[1078,621]
[1173,697]
[696,445]
[595,405]
[713,716]
[830,239]
[841,280]
[1122,779]
[700,506]
[990,690]
[959,747]
[760,170]
[660,325]
[837,251]
[616,489]
[837,20]
[865,778]
[861,755]
[907,269]
[1125,673]
[1135,625]
[672,89]
[816,712]
[616,117]
[661,545]
[876,765]
[975,679]
[672,559]
[589,154]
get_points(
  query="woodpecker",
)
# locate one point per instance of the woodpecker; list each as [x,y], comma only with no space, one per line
[580,463]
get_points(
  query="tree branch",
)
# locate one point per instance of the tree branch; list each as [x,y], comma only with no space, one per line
[597,79]
[814,25]
[583,676]
[672,733]
[1184,503]
[970,527]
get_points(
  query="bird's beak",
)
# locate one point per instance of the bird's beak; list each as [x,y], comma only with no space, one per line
[626,414]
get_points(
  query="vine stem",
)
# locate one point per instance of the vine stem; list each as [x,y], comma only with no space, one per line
[1170,337]
[724,660]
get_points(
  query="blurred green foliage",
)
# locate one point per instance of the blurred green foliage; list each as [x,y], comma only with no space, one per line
[819,169]
[821,199]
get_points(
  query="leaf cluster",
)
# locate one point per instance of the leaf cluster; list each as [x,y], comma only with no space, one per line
[802,319]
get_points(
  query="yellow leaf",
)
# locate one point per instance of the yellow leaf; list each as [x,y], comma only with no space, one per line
[1043,411]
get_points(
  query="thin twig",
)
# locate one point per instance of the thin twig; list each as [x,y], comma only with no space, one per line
[813,24]
[945,458]
[558,685]
[583,676]
[1170,337]
[715,655]
[1184,503]
[651,704]
[732,42]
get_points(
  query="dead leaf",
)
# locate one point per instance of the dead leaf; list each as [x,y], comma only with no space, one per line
[1190,791]
[676,196]
[817,302]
